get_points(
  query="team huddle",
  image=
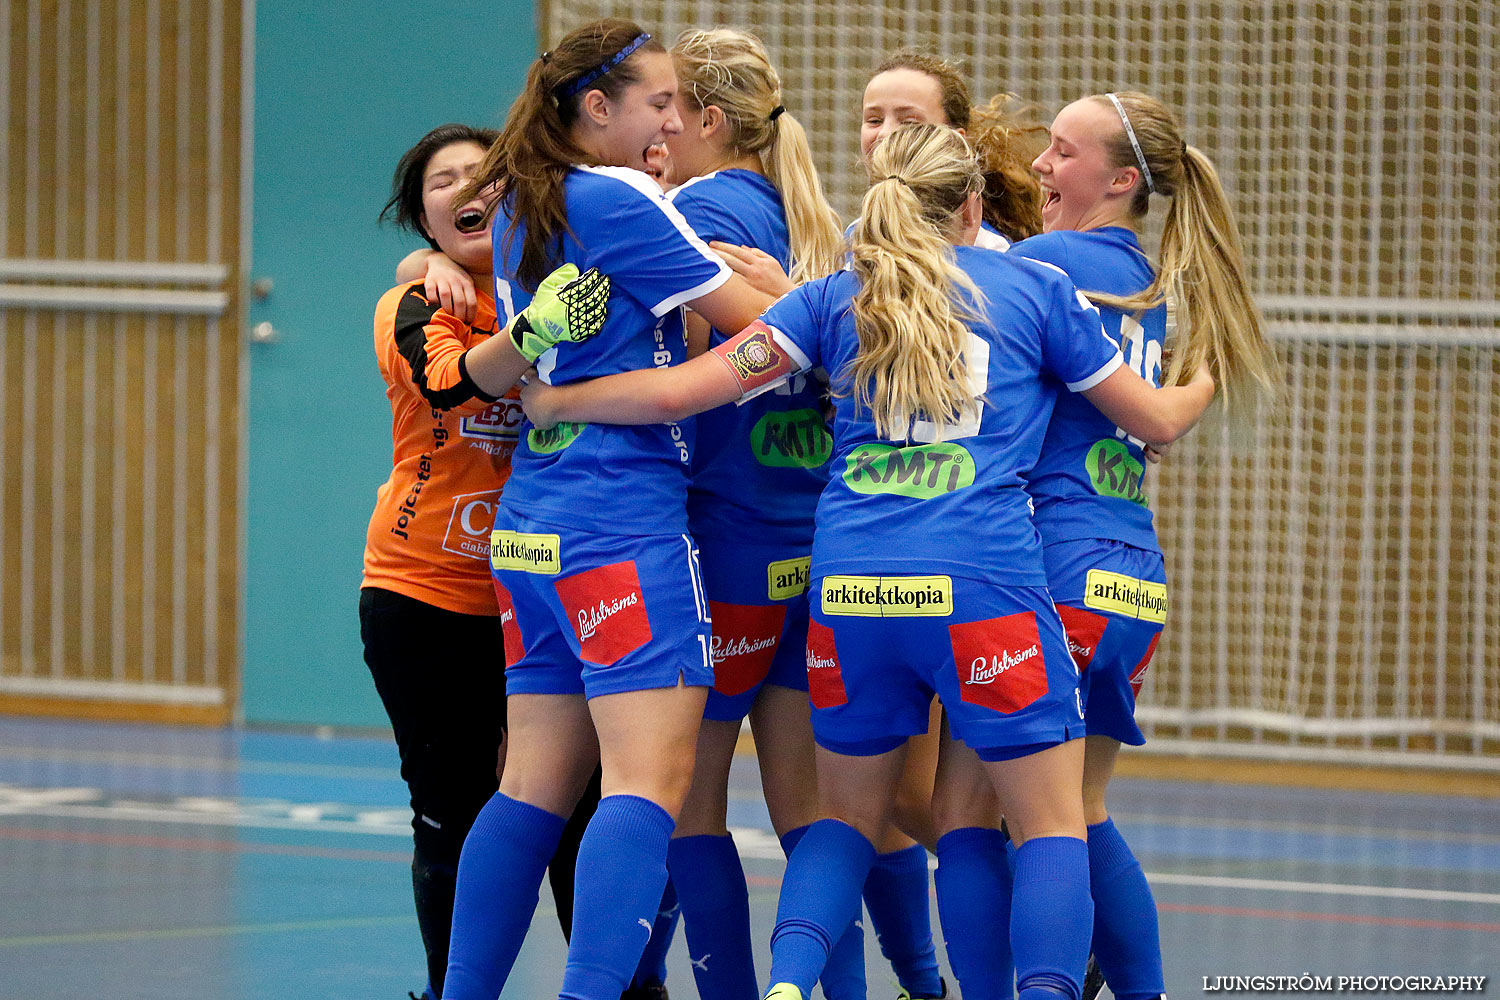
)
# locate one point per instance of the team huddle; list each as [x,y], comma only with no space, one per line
[880,490]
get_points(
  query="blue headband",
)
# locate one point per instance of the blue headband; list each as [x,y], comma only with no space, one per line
[578,85]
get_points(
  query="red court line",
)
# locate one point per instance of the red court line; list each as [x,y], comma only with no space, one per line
[197,844]
[1332,918]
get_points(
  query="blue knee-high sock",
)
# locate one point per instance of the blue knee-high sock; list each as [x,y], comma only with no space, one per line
[1126,940]
[819,900]
[499,872]
[896,896]
[715,915]
[843,975]
[1051,918]
[622,870]
[653,965]
[974,890]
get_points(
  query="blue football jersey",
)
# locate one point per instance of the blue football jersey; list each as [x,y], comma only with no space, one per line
[956,505]
[602,477]
[1089,481]
[759,466]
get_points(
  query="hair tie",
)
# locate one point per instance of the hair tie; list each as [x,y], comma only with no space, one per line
[1130,133]
[893,177]
[578,85]
[777,112]
[546,57]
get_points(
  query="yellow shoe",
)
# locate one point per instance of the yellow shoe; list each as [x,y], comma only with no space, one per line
[784,991]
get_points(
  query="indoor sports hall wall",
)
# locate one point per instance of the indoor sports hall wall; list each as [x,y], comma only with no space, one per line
[184,512]
[1335,569]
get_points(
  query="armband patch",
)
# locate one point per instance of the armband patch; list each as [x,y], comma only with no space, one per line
[754,358]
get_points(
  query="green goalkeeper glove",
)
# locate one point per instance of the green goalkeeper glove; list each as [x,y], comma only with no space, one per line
[567,306]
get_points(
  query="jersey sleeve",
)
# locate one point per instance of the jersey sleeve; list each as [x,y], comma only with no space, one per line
[430,344]
[634,235]
[1048,248]
[796,325]
[1075,347]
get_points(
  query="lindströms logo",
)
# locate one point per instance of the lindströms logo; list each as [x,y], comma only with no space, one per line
[553,439]
[825,679]
[1115,472]
[791,439]
[743,647]
[510,628]
[1084,629]
[1000,662]
[920,471]
[607,610]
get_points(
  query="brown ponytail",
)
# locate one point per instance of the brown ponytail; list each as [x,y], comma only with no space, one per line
[535,151]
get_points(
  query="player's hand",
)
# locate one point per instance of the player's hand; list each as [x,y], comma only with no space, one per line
[757,267]
[452,286]
[567,306]
[537,399]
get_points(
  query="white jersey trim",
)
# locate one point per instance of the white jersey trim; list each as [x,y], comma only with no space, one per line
[987,240]
[1099,376]
[652,191]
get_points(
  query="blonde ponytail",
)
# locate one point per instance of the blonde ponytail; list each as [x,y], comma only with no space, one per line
[730,70]
[913,303]
[1201,269]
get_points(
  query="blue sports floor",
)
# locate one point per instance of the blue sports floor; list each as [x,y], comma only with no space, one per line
[191,864]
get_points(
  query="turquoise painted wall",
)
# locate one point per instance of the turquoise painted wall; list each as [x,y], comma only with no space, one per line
[341,91]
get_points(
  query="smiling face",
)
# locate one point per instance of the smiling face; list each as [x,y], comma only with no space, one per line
[693,153]
[446,172]
[1082,187]
[898,97]
[620,131]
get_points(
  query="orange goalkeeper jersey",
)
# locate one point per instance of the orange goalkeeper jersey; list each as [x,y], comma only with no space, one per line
[430,535]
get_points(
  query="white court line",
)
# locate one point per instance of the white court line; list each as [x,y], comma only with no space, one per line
[328,817]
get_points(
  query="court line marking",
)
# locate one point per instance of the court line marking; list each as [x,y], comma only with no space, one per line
[1328,888]
[165,933]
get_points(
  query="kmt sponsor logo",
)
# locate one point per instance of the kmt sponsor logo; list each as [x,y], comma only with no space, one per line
[500,421]
[744,644]
[525,553]
[553,439]
[510,628]
[825,680]
[788,578]
[1084,629]
[920,471]
[999,661]
[888,596]
[1115,472]
[1125,595]
[607,611]
[469,524]
[791,439]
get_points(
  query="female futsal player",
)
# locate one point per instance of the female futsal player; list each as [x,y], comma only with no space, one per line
[606,622]
[428,617]
[941,354]
[1108,155]
[746,177]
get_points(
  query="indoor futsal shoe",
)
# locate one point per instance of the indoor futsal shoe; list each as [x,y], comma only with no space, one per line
[645,991]
[942,993]
[784,991]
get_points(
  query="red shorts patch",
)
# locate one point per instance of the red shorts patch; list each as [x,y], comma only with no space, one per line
[509,627]
[1000,662]
[607,610]
[1138,675]
[825,681]
[744,644]
[1084,629]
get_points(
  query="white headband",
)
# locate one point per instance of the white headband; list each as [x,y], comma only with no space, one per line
[1140,157]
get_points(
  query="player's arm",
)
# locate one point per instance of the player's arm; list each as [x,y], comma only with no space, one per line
[735,368]
[698,332]
[441,279]
[1156,416]
[734,305]
[566,306]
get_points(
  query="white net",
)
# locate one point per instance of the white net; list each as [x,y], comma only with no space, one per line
[1336,576]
